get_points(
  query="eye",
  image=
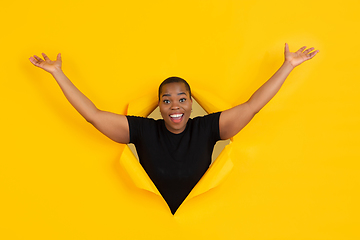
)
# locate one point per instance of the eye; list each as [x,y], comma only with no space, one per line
[182,100]
[166,101]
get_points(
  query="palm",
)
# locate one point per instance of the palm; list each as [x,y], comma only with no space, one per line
[46,64]
[300,56]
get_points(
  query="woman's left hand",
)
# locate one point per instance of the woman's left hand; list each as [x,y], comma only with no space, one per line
[300,56]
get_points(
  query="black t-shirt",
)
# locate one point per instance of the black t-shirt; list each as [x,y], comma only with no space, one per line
[175,162]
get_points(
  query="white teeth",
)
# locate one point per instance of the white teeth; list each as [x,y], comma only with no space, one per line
[176,115]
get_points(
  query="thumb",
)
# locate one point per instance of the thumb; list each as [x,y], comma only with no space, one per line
[286,48]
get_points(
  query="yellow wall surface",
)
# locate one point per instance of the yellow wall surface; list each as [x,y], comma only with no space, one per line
[295,168]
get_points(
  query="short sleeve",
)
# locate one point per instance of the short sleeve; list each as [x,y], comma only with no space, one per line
[209,126]
[214,119]
[135,125]
[140,128]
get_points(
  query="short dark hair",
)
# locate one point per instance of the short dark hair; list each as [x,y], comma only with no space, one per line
[173,80]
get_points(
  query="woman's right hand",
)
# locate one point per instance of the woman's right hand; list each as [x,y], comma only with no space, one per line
[47,64]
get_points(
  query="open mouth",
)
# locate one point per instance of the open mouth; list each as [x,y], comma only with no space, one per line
[176,118]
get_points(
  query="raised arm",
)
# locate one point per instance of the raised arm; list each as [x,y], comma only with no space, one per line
[114,126]
[236,118]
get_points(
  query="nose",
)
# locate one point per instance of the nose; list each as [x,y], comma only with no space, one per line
[175,106]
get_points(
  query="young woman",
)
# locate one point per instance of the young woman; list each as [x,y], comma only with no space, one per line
[176,150]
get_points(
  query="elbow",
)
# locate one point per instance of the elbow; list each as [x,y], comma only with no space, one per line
[91,117]
[89,121]
[253,109]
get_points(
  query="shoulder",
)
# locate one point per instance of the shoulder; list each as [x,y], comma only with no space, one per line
[209,117]
[141,127]
[208,121]
[136,121]
[207,126]
[138,118]
[132,117]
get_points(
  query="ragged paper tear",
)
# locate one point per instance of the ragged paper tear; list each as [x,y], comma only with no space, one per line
[216,173]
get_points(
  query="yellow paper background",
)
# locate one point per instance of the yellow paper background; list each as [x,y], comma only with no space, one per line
[296,165]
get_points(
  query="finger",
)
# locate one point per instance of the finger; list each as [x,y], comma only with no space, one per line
[33,61]
[301,49]
[45,57]
[58,57]
[308,50]
[286,48]
[311,55]
[38,58]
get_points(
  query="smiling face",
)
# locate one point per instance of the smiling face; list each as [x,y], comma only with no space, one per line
[175,106]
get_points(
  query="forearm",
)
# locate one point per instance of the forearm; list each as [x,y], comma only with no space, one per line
[269,89]
[77,99]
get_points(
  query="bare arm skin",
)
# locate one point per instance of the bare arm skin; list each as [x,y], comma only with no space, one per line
[236,118]
[114,126]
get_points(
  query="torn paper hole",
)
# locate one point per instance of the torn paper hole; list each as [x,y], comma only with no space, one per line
[216,173]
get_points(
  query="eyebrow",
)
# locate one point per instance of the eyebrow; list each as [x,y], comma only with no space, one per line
[168,95]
